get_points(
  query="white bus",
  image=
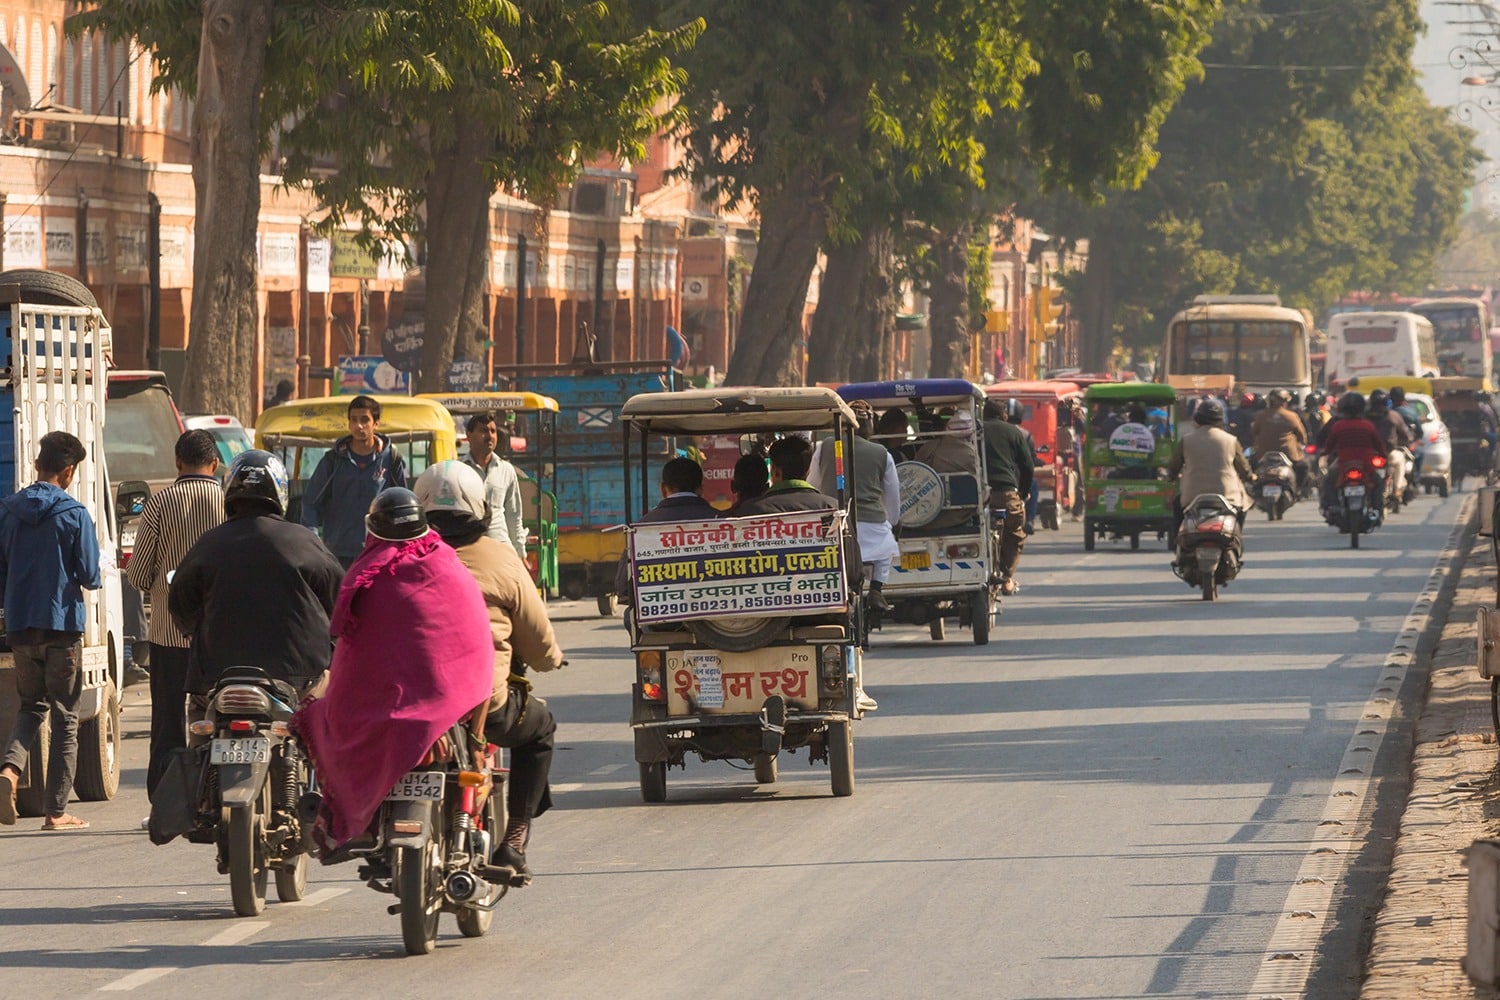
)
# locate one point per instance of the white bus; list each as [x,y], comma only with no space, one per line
[1251,337]
[1380,343]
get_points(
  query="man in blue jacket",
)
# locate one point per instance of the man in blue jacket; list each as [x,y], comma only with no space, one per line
[354,470]
[49,552]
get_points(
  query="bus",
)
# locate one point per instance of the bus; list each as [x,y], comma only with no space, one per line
[1253,338]
[1380,343]
[1461,327]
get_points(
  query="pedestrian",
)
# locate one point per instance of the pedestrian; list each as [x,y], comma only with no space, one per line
[283,394]
[353,472]
[1008,466]
[502,487]
[49,553]
[172,521]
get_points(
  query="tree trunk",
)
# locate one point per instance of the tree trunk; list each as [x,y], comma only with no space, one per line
[1096,305]
[856,315]
[224,325]
[792,225]
[458,218]
[948,316]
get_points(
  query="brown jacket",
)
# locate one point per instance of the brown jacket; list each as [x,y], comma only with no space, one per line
[1280,430]
[518,618]
[1209,460]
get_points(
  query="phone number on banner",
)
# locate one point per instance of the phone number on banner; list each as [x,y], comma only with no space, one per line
[810,594]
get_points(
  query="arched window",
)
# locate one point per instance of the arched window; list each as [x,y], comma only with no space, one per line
[51,67]
[86,77]
[36,69]
[177,122]
[133,109]
[70,68]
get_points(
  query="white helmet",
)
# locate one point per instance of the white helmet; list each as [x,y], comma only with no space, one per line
[452,486]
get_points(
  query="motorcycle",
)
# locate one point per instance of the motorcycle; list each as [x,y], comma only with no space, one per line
[255,776]
[435,834]
[1210,552]
[1275,488]
[1398,487]
[1358,505]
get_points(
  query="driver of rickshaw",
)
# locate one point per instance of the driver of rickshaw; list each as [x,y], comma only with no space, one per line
[953,453]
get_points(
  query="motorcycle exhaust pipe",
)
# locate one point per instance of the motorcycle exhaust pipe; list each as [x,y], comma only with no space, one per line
[462,887]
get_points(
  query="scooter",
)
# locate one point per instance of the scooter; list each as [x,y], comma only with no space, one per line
[1398,488]
[1210,552]
[1275,488]
[1358,498]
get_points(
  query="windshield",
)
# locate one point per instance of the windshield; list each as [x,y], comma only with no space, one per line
[1462,341]
[1259,351]
[140,434]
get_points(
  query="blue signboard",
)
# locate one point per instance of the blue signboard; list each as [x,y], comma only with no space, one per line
[370,374]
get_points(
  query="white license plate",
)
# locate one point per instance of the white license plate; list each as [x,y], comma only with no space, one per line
[1270,491]
[418,785]
[247,751]
[1354,491]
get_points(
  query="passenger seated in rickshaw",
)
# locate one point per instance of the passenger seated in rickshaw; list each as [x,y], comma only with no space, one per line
[954,454]
[681,500]
[751,479]
[892,430]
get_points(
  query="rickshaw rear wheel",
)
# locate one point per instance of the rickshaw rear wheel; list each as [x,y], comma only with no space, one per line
[608,606]
[765,768]
[653,781]
[980,615]
[841,757]
[1088,534]
[937,628]
[1135,541]
[736,634]
[1443,487]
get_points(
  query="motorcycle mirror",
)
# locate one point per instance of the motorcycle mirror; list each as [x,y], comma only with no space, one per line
[171,574]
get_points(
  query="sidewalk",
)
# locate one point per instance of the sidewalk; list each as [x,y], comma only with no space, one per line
[1420,932]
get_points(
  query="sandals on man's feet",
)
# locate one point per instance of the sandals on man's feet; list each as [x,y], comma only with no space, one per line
[7,800]
[65,822]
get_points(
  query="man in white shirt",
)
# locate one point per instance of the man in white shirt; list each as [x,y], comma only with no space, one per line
[502,487]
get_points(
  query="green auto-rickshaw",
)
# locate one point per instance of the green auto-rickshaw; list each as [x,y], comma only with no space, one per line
[1129,435]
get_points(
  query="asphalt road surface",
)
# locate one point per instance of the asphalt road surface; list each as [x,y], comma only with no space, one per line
[1130,792]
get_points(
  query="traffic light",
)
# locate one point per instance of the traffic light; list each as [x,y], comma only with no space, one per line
[1049,309]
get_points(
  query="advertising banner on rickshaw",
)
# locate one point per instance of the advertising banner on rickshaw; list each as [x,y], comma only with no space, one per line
[773,564]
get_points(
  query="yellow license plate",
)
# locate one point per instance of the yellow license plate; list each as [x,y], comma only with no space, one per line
[916,560]
[1130,505]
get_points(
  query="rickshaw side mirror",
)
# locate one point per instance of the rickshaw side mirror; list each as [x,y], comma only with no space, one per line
[1044,449]
[131,499]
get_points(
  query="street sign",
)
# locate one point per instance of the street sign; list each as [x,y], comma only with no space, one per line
[401,343]
[367,374]
[465,375]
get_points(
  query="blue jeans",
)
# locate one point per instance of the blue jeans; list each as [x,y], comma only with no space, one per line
[49,675]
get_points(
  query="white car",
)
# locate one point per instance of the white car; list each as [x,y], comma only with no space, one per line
[229,435]
[1435,449]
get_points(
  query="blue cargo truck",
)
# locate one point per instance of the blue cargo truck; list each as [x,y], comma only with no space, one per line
[590,470]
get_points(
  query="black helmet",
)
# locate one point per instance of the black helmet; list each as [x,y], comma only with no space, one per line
[256,477]
[1315,399]
[1014,411]
[1209,411]
[1278,397]
[1352,404]
[1379,400]
[396,516]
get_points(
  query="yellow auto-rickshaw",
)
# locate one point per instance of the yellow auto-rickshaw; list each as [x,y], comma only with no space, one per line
[528,421]
[301,432]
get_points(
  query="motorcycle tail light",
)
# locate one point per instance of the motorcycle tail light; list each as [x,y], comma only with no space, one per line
[242,699]
[1378,461]
[241,726]
[1312,449]
[1354,475]
[1433,437]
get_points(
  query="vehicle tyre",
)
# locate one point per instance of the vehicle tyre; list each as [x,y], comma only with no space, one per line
[1443,488]
[1354,537]
[1456,482]
[574,587]
[1172,538]
[653,781]
[418,892]
[841,757]
[938,629]
[291,884]
[99,750]
[1427,488]
[49,288]
[765,768]
[739,634]
[1135,541]
[980,616]
[1209,585]
[474,923]
[1088,534]
[608,606]
[247,870]
[32,800]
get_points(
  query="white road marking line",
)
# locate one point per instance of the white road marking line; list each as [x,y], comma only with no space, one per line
[1339,836]
[138,978]
[607,769]
[236,934]
[571,786]
[322,896]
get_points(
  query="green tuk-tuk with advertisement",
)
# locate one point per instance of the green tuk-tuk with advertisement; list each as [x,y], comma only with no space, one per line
[1130,431]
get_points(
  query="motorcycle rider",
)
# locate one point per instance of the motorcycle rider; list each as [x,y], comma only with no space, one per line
[1008,463]
[255,590]
[1392,427]
[1208,459]
[1278,428]
[1349,438]
[453,497]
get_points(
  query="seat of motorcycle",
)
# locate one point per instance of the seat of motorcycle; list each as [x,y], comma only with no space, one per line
[257,676]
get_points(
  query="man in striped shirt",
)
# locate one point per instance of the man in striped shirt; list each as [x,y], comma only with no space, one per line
[173,519]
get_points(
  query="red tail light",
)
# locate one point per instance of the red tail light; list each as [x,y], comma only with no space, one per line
[1311,449]
[1433,437]
[1354,475]
[1378,461]
[241,726]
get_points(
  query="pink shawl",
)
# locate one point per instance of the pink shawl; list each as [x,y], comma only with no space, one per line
[414,656]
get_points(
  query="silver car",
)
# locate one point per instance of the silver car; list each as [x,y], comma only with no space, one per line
[1435,449]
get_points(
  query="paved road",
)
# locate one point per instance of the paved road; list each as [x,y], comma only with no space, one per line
[1117,798]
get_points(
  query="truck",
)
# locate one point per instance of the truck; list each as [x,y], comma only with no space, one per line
[590,478]
[56,378]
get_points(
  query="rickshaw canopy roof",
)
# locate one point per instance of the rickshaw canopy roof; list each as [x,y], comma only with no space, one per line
[929,390]
[1367,384]
[479,402]
[327,417]
[737,408]
[1116,391]
[1033,389]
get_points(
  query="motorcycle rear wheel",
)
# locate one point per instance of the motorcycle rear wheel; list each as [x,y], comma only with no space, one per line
[247,879]
[1354,537]
[291,884]
[1209,585]
[419,904]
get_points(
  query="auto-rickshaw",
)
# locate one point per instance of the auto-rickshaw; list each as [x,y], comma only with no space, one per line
[1459,402]
[301,432]
[528,423]
[745,629]
[1041,410]
[950,552]
[1130,430]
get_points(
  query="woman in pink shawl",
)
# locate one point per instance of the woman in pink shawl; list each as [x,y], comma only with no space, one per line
[414,656]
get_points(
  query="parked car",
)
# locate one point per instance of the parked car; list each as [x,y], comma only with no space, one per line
[229,435]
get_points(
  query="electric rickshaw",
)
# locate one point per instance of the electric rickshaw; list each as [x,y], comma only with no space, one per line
[1459,402]
[1042,414]
[528,422]
[744,630]
[301,432]
[948,566]
[1130,431]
